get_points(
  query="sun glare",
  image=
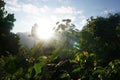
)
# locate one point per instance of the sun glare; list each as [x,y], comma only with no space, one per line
[44,31]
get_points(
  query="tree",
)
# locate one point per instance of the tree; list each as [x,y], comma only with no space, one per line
[101,36]
[34,30]
[9,42]
[67,33]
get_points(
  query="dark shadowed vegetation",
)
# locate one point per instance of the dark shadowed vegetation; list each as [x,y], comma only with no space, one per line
[90,54]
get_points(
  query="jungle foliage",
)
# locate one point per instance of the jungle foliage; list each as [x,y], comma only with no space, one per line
[90,54]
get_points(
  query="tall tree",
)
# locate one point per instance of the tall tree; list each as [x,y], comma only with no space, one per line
[67,32]
[102,36]
[9,42]
[34,30]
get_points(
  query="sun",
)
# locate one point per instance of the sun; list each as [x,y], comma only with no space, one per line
[44,31]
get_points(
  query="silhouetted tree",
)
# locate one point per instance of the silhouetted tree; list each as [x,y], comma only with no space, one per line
[102,36]
[9,42]
[34,30]
[67,32]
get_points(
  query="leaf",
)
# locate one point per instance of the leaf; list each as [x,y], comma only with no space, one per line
[65,75]
[76,70]
[20,71]
[28,75]
[73,61]
[37,68]
[99,70]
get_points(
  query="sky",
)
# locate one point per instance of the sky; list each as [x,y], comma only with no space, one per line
[47,12]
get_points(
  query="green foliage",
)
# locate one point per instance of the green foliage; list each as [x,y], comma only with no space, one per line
[112,70]
[101,36]
[9,42]
[81,66]
[68,34]
[76,56]
[6,19]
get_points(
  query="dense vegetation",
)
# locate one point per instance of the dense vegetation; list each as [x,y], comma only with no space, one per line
[90,54]
[6,36]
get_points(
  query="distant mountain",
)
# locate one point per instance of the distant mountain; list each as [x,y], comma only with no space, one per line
[27,40]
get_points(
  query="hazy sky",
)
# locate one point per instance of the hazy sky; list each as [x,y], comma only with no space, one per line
[47,12]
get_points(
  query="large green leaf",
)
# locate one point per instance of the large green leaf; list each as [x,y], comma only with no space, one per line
[37,67]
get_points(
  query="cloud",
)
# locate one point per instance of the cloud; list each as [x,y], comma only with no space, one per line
[83,22]
[107,11]
[41,14]
[77,16]
[11,2]
[36,0]
[64,10]
[12,5]
[34,10]
[66,1]
[30,9]
[67,10]
[12,9]
[44,9]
